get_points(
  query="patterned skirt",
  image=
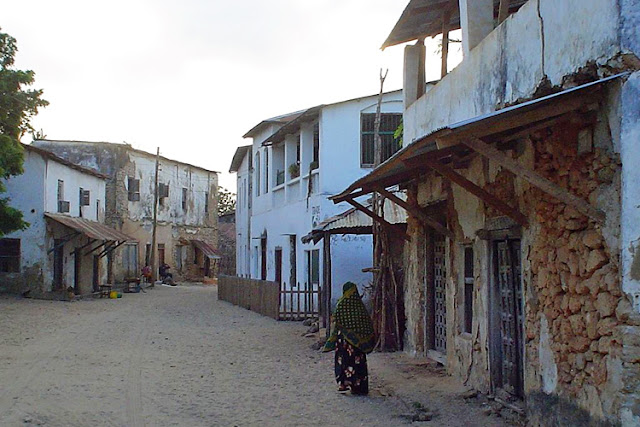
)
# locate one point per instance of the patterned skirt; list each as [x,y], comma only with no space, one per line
[351,367]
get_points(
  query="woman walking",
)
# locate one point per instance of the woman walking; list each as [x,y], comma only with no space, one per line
[352,338]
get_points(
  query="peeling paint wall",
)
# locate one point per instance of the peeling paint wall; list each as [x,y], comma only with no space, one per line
[177,224]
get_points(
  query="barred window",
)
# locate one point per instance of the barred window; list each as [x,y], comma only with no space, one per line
[390,145]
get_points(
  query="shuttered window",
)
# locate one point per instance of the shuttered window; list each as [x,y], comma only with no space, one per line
[390,145]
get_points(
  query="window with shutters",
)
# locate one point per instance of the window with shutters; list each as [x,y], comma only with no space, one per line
[133,187]
[9,255]
[390,145]
[63,206]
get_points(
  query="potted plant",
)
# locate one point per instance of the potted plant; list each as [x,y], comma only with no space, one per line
[314,165]
[294,170]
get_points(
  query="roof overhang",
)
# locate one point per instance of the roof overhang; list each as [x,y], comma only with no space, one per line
[239,155]
[425,18]
[294,125]
[406,165]
[92,229]
[207,249]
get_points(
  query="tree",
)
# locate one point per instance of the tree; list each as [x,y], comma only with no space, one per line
[17,108]
[226,201]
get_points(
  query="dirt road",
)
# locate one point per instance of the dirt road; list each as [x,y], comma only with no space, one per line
[169,357]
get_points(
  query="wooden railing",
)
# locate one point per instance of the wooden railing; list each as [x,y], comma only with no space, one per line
[269,298]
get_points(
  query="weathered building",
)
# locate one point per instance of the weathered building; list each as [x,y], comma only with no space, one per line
[66,244]
[227,243]
[527,153]
[284,178]
[187,224]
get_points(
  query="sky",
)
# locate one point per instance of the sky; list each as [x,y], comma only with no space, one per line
[193,76]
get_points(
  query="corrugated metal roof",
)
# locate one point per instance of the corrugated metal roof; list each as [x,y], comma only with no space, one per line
[91,229]
[424,18]
[207,249]
[356,222]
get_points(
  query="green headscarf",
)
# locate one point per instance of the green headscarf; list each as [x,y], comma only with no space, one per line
[353,320]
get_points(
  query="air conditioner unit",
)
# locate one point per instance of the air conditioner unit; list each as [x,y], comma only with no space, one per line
[63,206]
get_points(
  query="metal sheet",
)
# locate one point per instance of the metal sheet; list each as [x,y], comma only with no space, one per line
[207,249]
[91,229]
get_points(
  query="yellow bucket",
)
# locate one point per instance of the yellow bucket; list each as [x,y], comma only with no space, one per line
[113,294]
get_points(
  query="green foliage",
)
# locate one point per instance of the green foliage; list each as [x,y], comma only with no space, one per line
[226,201]
[397,135]
[17,108]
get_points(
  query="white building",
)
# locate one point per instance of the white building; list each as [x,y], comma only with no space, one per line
[66,243]
[187,223]
[284,178]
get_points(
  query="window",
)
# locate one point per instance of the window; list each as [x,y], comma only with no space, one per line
[163,192]
[315,163]
[133,186]
[63,206]
[9,255]
[184,199]
[97,209]
[293,277]
[266,171]
[147,254]
[85,197]
[388,125]
[257,172]
[468,288]
[206,202]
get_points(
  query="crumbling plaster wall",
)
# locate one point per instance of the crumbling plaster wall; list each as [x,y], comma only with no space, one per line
[532,46]
[580,331]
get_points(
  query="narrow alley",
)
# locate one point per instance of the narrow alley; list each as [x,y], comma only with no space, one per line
[178,356]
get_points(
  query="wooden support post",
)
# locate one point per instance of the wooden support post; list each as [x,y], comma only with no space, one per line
[482,194]
[326,282]
[417,213]
[384,223]
[534,178]
[503,13]
[446,17]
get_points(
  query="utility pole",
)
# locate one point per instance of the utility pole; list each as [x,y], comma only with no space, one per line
[154,270]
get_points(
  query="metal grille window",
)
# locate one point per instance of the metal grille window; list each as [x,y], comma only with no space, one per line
[9,255]
[468,288]
[440,294]
[390,145]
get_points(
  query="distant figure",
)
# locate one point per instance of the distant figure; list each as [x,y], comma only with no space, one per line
[352,337]
[165,275]
[146,273]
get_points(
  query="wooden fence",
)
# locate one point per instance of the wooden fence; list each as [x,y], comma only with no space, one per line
[269,298]
[256,295]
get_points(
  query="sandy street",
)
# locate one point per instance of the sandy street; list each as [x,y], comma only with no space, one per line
[174,357]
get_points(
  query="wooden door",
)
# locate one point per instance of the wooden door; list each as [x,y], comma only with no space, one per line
[508,369]
[58,264]
[278,259]
[436,295]
[263,258]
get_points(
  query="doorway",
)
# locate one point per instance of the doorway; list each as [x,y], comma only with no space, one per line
[435,323]
[77,264]
[278,259]
[507,318]
[263,258]
[96,273]
[58,264]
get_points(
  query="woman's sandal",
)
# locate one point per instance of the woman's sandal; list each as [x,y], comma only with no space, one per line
[343,390]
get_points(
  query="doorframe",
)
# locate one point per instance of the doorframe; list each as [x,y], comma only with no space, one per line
[491,237]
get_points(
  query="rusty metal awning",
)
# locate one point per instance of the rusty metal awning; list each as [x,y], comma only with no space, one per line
[207,249]
[92,229]
[443,142]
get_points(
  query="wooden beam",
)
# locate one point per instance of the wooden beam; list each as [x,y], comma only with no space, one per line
[387,225]
[535,179]
[417,213]
[472,188]
[503,12]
